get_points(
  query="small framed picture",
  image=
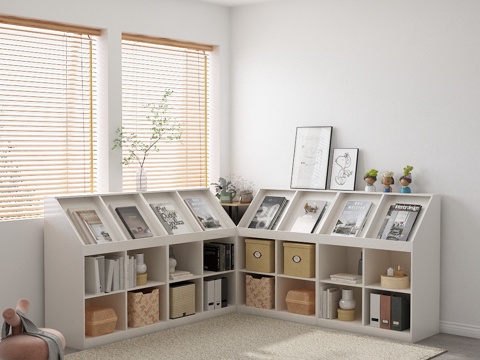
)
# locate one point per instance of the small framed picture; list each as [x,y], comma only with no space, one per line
[310,158]
[344,169]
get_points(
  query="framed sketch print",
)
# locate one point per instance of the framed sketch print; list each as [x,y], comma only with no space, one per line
[344,169]
[310,157]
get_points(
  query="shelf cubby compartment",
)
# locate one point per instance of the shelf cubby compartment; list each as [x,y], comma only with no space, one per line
[357,295]
[334,259]
[284,285]
[189,258]
[378,261]
[231,285]
[155,258]
[116,301]
[89,267]
[299,263]
[229,256]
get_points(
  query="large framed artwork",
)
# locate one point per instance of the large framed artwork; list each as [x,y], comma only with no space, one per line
[344,169]
[310,158]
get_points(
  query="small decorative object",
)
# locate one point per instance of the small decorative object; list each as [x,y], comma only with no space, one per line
[245,196]
[344,169]
[172,262]
[347,302]
[225,190]
[395,279]
[370,179]
[390,271]
[310,157]
[139,147]
[141,269]
[387,181]
[141,179]
[406,179]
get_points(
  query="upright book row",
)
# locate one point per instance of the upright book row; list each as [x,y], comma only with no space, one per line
[94,231]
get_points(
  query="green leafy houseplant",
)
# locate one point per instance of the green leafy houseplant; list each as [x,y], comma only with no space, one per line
[162,127]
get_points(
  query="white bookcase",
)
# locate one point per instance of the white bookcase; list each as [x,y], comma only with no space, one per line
[420,257]
[65,297]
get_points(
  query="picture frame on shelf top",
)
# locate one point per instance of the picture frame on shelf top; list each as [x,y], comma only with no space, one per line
[344,169]
[311,157]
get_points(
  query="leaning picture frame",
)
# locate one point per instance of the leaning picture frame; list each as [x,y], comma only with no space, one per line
[311,157]
[344,169]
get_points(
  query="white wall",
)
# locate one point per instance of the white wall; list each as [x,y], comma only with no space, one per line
[21,242]
[398,79]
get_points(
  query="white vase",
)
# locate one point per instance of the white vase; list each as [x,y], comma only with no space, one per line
[172,263]
[141,179]
[347,302]
[141,266]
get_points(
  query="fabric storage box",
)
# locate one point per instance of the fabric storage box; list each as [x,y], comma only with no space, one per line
[260,255]
[182,300]
[260,292]
[301,301]
[99,320]
[143,307]
[299,259]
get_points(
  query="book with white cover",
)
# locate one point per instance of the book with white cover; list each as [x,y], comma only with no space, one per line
[218,293]
[399,221]
[352,219]
[209,295]
[170,218]
[92,275]
[309,216]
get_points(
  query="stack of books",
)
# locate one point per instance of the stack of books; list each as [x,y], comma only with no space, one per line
[346,278]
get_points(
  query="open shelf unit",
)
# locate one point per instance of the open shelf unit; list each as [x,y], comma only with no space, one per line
[65,253]
[65,295]
[419,256]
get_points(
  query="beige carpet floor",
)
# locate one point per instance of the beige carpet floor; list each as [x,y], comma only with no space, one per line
[246,337]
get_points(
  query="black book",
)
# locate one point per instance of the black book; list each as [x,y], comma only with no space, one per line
[224,292]
[211,257]
[399,222]
[268,212]
[134,222]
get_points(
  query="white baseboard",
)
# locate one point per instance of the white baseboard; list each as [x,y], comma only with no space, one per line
[460,329]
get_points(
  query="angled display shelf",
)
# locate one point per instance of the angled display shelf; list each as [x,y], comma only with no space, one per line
[66,297]
[336,253]
[68,288]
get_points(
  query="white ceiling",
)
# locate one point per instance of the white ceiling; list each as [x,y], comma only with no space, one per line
[234,2]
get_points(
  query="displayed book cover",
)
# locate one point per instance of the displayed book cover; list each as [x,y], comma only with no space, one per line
[352,218]
[399,222]
[90,226]
[309,216]
[202,212]
[134,222]
[268,212]
[169,217]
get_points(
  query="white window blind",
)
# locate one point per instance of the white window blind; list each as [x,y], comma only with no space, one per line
[150,67]
[47,113]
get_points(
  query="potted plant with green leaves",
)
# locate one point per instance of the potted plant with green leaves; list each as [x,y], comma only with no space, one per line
[162,126]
